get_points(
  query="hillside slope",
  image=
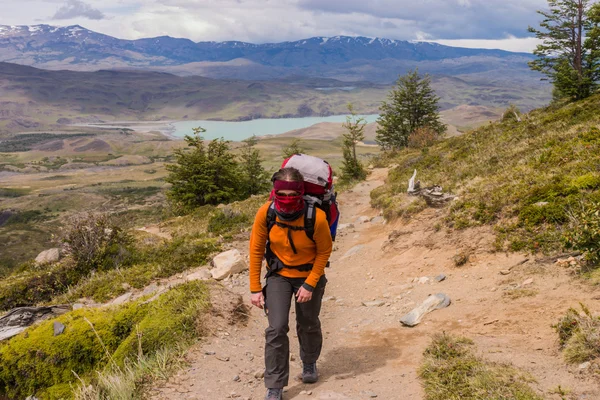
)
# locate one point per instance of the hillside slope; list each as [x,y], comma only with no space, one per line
[523,178]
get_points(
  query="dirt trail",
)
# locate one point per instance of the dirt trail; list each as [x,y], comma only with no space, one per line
[367,351]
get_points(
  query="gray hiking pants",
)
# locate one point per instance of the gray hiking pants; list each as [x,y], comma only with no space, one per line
[279,292]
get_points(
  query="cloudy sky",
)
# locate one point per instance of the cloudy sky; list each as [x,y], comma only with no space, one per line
[468,23]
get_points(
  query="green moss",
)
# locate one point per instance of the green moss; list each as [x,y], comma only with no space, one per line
[171,319]
[38,363]
[590,181]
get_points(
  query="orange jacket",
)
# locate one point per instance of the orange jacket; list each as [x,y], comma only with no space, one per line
[309,252]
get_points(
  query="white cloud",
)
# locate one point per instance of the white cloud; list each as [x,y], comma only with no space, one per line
[522,45]
[77,8]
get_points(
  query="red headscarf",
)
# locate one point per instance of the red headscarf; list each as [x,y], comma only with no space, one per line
[288,204]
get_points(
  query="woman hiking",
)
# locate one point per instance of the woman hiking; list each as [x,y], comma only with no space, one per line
[295,268]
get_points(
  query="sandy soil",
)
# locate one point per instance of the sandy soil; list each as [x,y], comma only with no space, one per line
[367,351]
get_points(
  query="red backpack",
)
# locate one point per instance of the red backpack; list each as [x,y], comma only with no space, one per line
[318,192]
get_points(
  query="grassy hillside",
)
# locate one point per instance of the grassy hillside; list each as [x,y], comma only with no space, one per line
[524,178]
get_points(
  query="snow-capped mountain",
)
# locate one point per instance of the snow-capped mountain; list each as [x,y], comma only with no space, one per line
[44,44]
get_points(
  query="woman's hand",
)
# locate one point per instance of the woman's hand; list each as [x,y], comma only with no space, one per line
[258,299]
[303,295]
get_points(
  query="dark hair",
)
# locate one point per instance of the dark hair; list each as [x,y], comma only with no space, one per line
[287,174]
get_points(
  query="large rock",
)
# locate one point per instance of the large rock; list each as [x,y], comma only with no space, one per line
[19,319]
[228,263]
[48,256]
[433,302]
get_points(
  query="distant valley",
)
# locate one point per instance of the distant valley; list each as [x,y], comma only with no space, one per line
[32,99]
[305,71]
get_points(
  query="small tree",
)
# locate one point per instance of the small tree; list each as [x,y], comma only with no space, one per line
[203,175]
[569,54]
[254,178]
[293,148]
[412,104]
[355,126]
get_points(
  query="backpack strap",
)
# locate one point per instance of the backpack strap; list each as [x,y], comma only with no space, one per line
[310,214]
[271,218]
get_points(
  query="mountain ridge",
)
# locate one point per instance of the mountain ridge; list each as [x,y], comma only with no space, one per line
[39,44]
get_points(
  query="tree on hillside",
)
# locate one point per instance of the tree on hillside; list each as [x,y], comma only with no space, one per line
[355,127]
[203,175]
[569,54]
[412,104]
[293,148]
[254,178]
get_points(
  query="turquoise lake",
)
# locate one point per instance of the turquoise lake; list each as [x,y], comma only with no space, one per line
[237,131]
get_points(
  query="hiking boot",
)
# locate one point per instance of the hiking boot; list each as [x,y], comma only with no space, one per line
[309,373]
[274,394]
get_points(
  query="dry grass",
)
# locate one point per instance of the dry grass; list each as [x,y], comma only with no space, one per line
[579,335]
[515,294]
[451,371]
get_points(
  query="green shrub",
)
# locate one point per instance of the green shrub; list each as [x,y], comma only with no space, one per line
[584,234]
[10,192]
[96,242]
[536,214]
[26,217]
[38,363]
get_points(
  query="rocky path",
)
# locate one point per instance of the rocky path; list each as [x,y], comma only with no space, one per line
[373,282]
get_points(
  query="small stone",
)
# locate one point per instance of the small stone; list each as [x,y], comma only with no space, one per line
[202,275]
[423,280]
[363,219]
[78,306]
[493,289]
[58,328]
[527,282]
[378,220]
[370,394]
[375,303]
[440,278]
[48,256]
[585,365]
[259,374]
[122,299]
[505,272]
[343,227]
[209,353]
[236,378]
[224,359]
[329,298]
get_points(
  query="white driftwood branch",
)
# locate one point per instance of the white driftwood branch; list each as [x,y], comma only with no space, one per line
[517,116]
[434,195]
